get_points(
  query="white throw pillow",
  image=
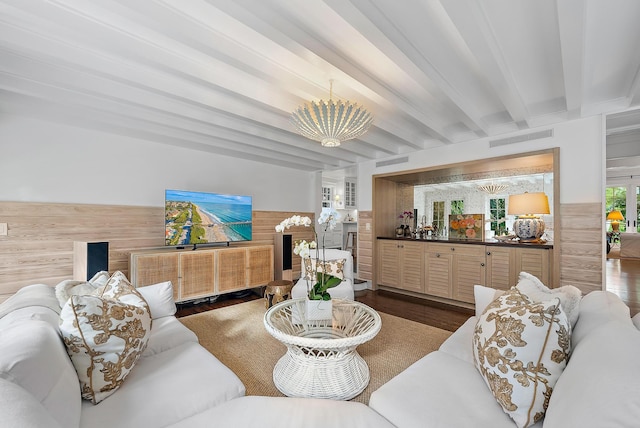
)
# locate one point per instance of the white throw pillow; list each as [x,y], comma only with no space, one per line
[521,348]
[105,334]
[71,287]
[483,296]
[160,299]
[569,295]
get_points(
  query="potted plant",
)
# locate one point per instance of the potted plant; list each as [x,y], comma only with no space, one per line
[318,298]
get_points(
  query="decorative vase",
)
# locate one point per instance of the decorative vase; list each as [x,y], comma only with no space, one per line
[407,232]
[319,310]
[400,231]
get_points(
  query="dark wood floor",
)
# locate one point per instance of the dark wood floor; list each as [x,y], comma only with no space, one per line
[623,279]
[423,311]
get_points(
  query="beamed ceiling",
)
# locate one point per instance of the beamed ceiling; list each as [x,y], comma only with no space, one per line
[223,76]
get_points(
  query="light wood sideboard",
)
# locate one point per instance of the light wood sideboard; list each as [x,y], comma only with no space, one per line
[204,272]
[448,271]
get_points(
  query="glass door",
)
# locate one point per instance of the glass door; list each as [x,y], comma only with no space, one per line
[616,209]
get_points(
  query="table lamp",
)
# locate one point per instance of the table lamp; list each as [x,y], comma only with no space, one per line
[528,227]
[615,217]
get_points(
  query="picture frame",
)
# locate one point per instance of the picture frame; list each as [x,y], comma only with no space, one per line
[466,226]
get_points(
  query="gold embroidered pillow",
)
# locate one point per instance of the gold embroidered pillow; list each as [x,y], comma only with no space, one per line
[331,267]
[105,333]
[521,348]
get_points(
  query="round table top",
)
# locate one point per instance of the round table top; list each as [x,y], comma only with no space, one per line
[352,323]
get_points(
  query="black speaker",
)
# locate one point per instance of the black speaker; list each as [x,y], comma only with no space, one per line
[89,258]
[287,252]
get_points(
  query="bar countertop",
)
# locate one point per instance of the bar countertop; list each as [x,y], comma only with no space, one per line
[492,242]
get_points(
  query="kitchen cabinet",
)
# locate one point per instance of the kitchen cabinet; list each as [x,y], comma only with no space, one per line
[402,265]
[450,270]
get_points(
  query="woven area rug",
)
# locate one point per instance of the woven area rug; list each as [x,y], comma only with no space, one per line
[237,337]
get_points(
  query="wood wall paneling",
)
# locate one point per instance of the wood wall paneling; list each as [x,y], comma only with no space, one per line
[365,246]
[39,244]
[581,258]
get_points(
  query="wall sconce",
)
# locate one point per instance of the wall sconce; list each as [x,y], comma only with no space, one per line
[528,227]
[615,217]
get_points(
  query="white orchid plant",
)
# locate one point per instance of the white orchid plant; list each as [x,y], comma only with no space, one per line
[302,248]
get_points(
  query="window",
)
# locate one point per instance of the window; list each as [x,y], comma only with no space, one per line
[497,212]
[457,207]
[438,217]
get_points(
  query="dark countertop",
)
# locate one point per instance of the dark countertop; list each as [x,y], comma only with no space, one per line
[491,242]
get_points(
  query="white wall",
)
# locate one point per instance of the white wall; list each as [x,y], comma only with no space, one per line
[582,162]
[46,162]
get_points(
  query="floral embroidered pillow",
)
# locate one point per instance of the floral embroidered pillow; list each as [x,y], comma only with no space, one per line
[331,267]
[105,333]
[521,348]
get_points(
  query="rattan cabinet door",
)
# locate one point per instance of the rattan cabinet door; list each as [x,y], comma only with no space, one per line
[152,268]
[197,277]
[231,272]
[260,265]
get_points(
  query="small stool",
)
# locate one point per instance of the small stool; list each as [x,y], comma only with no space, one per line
[277,291]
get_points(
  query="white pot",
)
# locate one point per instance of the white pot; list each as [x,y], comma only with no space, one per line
[319,309]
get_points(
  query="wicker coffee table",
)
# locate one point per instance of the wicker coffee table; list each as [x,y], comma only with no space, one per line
[321,359]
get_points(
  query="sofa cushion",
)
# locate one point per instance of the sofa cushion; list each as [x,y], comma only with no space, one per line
[439,391]
[105,334]
[284,412]
[569,295]
[636,320]
[31,295]
[598,308]
[166,388]
[167,333]
[521,348]
[459,344]
[601,385]
[159,297]
[33,302]
[33,357]
[21,409]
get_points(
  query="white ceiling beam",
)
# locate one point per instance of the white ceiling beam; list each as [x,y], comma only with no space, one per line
[571,26]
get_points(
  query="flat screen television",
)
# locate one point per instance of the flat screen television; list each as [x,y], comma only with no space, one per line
[193,218]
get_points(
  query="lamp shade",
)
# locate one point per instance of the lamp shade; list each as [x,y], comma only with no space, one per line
[528,204]
[615,215]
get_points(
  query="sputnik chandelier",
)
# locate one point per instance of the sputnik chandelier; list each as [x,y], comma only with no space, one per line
[331,122]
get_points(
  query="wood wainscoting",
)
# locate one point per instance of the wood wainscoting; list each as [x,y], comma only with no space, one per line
[365,246]
[39,244]
[581,246]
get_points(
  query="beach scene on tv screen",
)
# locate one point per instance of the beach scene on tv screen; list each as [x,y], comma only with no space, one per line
[203,218]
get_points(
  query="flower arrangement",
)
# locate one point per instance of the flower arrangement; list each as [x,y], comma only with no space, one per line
[302,248]
[406,216]
[466,226]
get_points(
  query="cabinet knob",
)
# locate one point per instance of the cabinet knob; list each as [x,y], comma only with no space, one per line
[453,249]
[437,254]
[481,264]
[488,253]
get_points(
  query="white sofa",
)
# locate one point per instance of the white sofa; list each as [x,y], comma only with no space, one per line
[600,386]
[344,290]
[176,382]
